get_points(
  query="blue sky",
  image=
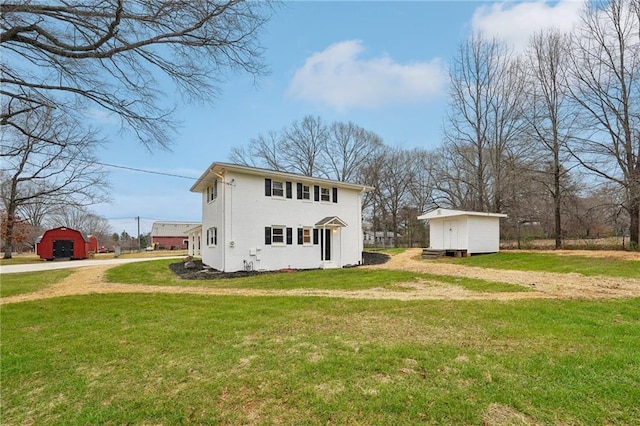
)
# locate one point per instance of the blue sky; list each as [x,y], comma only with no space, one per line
[381,65]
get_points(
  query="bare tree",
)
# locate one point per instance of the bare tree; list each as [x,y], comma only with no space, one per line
[550,117]
[304,144]
[52,164]
[79,218]
[605,77]
[422,167]
[484,114]
[455,177]
[348,149]
[109,55]
[263,151]
[392,186]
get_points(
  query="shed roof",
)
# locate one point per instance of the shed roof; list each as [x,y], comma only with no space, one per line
[443,213]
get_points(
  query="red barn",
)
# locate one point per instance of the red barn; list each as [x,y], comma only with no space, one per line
[171,235]
[64,243]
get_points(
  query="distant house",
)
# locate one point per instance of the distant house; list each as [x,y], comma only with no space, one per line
[65,243]
[464,232]
[171,235]
[260,219]
[380,238]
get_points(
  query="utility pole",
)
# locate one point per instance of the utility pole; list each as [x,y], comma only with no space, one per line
[138,219]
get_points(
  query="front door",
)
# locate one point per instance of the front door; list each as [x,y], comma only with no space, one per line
[62,248]
[325,244]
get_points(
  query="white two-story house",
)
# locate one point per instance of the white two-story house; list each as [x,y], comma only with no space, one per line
[258,219]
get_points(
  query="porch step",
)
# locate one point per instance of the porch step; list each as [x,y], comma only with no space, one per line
[432,253]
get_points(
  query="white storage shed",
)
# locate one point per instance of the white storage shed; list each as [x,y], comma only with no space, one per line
[463,232]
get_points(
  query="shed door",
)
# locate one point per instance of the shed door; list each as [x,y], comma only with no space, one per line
[451,235]
[62,248]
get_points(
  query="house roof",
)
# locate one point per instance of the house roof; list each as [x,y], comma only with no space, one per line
[442,213]
[331,221]
[172,229]
[217,170]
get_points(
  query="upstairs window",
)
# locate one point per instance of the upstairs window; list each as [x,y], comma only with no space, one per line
[212,191]
[325,194]
[277,188]
[303,191]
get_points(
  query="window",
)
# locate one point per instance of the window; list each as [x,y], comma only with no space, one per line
[304,236]
[277,235]
[303,191]
[325,194]
[212,191]
[277,189]
[212,236]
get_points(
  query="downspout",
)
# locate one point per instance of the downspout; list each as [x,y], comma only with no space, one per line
[224,220]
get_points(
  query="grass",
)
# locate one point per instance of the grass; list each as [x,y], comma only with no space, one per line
[549,262]
[187,359]
[387,250]
[14,284]
[158,273]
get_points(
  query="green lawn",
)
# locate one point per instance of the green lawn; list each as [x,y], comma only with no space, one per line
[187,359]
[158,273]
[549,262]
[27,282]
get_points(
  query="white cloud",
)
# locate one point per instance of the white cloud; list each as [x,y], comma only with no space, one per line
[340,77]
[515,22]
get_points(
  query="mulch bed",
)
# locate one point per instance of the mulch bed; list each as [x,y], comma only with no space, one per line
[200,272]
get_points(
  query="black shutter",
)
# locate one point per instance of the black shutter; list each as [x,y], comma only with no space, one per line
[300,237]
[316,193]
[289,236]
[267,187]
[289,192]
[267,235]
[335,195]
[299,190]
[315,236]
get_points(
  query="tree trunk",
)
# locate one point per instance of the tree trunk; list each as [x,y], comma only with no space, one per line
[8,246]
[557,202]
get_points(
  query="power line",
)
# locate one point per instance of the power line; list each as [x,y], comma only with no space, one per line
[133,169]
[116,166]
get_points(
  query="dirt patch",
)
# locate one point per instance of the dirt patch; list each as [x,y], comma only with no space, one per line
[91,280]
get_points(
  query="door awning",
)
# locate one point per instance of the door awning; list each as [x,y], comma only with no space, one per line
[331,221]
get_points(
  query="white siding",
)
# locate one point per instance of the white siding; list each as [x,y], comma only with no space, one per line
[485,234]
[242,211]
[436,234]
[212,217]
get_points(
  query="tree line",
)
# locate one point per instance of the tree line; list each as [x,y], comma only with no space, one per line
[550,136]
